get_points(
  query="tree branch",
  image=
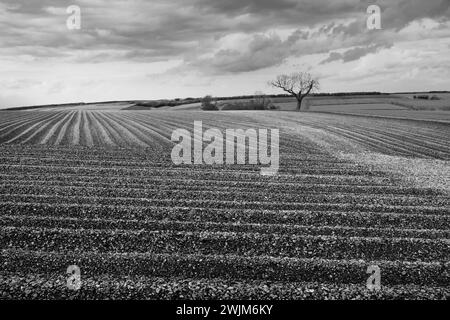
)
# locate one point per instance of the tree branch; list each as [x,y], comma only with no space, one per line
[295,84]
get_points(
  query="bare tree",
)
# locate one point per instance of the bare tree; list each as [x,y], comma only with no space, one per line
[298,84]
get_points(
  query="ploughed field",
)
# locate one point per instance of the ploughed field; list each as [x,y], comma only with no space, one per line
[98,189]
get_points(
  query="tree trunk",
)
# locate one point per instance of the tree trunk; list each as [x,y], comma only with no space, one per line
[299,103]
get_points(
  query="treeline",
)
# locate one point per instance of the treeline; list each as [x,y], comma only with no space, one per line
[343,94]
[426,97]
[335,94]
[178,101]
[166,103]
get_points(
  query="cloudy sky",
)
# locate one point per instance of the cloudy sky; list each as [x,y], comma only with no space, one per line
[150,49]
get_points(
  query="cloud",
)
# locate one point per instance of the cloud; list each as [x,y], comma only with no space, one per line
[334,56]
[262,51]
[354,53]
[161,30]
[405,11]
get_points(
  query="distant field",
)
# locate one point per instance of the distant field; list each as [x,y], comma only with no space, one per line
[190,106]
[355,107]
[375,99]
[91,107]
[384,110]
[417,104]
[395,106]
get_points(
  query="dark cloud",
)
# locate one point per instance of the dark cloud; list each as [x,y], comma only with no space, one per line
[233,7]
[261,52]
[333,56]
[297,35]
[400,14]
[354,53]
[31,7]
[156,30]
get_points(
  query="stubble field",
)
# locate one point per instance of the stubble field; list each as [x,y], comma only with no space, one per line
[98,189]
